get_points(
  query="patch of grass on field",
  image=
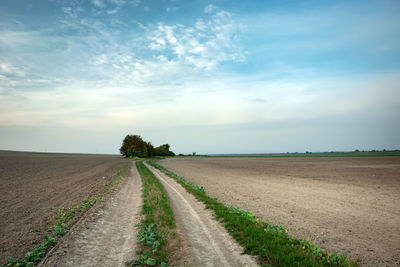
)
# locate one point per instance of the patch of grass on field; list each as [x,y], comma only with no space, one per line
[156,229]
[61,222]
[272,244]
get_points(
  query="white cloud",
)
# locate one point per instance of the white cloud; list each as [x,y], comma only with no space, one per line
[17,39]
[210,8]
[98,3]
[216,100]
[171,9]
[201,25]
[223,14]
[112,11]
[203,46]
[117,5]
[122,2]
[172,53]
[68,11]
[9,69]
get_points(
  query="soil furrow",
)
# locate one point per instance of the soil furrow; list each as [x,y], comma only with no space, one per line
[211,245]
[109,238]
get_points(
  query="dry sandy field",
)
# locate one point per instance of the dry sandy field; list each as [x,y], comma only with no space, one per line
[348,205]
[34,186]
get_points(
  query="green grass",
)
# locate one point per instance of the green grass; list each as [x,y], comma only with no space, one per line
[272,244]
[157,224]
[61,221]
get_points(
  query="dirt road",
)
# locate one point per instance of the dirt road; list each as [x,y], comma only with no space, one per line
[209,242]
[348,205]
[107,237]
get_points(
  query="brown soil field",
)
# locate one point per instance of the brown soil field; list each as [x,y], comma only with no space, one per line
[348,205]
[34,186]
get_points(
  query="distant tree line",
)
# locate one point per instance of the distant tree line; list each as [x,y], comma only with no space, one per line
[135,146]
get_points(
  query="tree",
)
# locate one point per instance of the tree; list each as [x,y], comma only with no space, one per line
[134,146]
[163,151]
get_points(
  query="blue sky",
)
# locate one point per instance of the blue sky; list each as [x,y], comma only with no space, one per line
[204,76]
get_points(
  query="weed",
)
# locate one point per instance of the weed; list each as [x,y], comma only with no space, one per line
[59,228]
[146,236]
[143,260]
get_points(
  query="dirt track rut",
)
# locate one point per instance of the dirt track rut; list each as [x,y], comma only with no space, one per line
[209,242]
[108,238]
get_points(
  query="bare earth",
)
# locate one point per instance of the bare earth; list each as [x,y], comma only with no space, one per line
[208,241]
[108,237]
[347,205]
[34,186]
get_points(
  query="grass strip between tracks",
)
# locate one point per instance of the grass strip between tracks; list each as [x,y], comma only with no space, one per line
[272,244]
[156,235]
[62,221]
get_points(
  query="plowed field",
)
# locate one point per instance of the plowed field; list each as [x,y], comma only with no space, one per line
[347,205]
[34,186]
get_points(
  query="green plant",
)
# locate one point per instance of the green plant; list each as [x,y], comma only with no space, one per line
[59,228]
[143,260]
[146,236]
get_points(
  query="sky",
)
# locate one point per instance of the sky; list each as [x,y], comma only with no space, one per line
[203,76]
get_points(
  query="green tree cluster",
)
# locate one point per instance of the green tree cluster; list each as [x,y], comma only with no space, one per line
[135,146]
[163,151]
